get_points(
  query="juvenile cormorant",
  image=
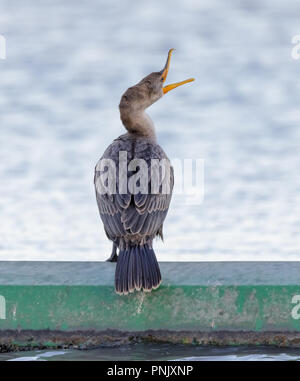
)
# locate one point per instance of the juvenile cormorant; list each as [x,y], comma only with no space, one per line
[133,217]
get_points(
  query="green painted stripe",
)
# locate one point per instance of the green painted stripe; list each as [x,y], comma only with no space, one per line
[175,308]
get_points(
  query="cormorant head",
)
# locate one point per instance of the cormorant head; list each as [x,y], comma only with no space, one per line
[149,89]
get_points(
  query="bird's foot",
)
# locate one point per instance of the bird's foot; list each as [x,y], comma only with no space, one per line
[112,258]
[114,255]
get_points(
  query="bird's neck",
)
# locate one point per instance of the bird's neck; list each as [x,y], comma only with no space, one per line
[138,122]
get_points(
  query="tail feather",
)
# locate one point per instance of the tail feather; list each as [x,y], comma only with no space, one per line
[154,269]
[137,268]
[138,273]
[145,270]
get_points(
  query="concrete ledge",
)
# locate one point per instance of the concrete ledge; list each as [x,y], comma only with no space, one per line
[74,303]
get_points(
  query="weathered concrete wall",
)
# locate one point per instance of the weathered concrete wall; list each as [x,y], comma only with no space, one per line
[74,303]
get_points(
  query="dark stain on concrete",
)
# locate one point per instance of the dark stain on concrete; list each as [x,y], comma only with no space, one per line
[14,340]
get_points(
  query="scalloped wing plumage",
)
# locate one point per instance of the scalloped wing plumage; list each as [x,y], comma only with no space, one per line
[141,215]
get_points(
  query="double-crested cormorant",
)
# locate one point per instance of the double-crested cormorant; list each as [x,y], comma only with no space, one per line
[133,217]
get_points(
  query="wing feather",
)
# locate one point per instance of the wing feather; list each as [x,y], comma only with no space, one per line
[125,214]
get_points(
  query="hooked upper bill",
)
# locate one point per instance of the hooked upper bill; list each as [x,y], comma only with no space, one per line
[165,73]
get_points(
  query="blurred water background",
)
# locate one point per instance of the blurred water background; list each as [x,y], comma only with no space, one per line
[68,63]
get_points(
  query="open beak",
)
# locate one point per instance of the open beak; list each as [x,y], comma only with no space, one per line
[165,73]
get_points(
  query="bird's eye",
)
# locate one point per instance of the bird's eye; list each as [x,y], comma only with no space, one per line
[162,79]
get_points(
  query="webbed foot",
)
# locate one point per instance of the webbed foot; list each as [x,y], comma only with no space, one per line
[114,255]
